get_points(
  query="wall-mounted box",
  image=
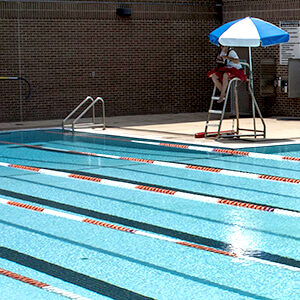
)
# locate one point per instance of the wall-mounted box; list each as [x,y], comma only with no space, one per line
[294,78]
[123,12]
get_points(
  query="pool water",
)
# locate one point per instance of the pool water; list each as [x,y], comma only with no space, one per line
[285,149]
[175,245]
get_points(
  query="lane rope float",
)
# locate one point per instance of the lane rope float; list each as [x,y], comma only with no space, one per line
[156,229]
[41,285]
[232,254]
[139,224]
[196,148]
[113,226]
[178,194]
[167,164]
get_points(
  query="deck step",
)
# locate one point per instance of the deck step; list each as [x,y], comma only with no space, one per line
[215,98]
[218,112]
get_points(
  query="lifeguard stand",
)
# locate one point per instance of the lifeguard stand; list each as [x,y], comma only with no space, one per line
[236,131]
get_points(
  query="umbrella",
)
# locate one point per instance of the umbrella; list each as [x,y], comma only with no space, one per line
[248,32]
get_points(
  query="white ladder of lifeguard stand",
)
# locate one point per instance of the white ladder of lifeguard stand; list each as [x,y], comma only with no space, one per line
[235,132]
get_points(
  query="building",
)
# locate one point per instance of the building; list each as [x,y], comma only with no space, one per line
[142,57]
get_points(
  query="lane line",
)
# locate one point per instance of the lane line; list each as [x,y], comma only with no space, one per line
[184,195]
[195,148]
[168,164]
[137,224]
[41,285]
[281,262]
[141,225]
[112,226]
[93,284]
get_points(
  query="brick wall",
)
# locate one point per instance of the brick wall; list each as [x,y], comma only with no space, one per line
[155,61]
[272,11]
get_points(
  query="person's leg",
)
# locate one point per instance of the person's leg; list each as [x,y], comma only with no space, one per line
[216,81]
[224,87]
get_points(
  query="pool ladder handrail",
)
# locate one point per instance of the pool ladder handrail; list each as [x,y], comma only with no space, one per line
[92,105]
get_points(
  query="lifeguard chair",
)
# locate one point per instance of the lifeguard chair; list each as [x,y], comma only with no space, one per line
[237,131]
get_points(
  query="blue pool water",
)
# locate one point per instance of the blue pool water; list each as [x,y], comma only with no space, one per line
[285,149]
[101,263]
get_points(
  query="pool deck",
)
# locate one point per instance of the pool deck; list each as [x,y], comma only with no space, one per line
[182,128]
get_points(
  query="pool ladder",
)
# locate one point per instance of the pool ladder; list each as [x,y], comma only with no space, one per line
[90,106]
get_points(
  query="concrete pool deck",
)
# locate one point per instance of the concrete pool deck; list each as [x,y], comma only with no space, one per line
[182,128]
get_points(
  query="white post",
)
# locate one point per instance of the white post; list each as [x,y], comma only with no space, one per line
[20,62]
[250,66]
[252,88]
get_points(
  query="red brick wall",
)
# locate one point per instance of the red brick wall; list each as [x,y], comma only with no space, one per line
[155,61]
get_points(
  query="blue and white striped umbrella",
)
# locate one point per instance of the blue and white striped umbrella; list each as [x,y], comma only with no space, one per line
[248,32]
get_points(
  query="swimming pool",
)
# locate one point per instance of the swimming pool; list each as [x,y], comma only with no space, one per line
[105,217]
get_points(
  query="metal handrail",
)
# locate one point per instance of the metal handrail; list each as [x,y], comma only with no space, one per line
[92,105]
[23,79]
[233,83]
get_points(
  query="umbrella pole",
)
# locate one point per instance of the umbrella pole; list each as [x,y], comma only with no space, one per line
[252,88]
[250,66]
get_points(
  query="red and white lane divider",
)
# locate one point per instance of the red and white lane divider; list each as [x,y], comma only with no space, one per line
[178,194]
[183,166]
[113,226]
[198,148]
[141,233]
[170,164]
[223,151]
[42,285]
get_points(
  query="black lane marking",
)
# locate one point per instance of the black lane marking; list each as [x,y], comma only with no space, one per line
[142,205]
[141,262]
[79,279]
[141,183]
[157,229]
[163,187]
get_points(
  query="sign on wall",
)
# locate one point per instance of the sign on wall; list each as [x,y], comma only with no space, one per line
[292,48]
